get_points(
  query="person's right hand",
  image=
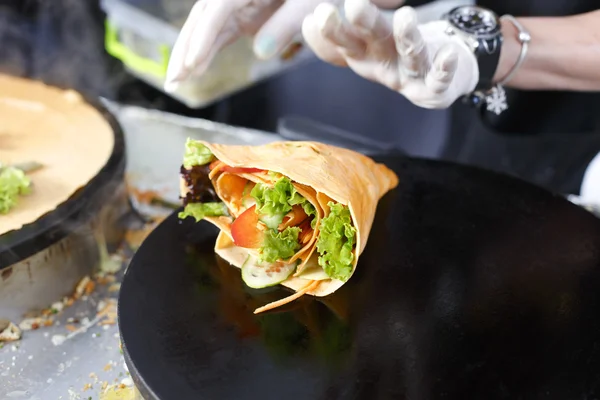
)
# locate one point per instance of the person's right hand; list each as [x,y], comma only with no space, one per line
[213,24]
[422,62]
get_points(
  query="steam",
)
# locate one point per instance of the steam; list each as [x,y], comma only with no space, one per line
[60,42]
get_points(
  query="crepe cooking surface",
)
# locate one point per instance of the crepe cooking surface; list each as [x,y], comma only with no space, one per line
[57,129]
[472,286]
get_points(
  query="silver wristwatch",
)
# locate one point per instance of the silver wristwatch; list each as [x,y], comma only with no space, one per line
[480,29]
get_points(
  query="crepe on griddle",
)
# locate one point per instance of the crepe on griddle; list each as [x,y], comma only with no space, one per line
[57,129]
[291,213]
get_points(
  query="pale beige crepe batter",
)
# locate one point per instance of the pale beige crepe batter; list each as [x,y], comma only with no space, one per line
[57,129]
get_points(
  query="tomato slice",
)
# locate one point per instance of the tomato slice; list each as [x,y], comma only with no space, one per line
[240,170]
[245,231]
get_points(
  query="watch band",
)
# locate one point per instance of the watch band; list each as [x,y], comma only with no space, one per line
[495,99]
[480,28]
[488,58]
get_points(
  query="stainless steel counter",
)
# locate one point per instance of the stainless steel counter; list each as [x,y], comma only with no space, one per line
[77,357]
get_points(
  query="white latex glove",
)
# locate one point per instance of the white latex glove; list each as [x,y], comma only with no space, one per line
[213,24]
[422,62]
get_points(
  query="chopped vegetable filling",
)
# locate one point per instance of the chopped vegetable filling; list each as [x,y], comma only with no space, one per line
[336,242]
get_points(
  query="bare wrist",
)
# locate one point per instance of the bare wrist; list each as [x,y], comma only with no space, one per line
[388,4]
[511,48]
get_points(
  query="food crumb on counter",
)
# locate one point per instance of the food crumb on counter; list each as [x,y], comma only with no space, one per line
[115,287]
[89,287]
[127,381]
[81,287]
[34,323]
[10,333]
[112,264]
[57,340]
[107,309]
[105,279]
[73,395]
[57,307]
[91,303]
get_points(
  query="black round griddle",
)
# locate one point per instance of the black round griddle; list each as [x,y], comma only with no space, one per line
[80,208]
[473,285]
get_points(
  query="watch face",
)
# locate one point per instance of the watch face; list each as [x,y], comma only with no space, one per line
[475,21]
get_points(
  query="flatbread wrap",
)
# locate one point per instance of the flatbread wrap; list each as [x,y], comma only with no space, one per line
[291,213]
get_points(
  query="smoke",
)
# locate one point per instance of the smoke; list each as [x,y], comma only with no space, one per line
[60,42]
[15,42]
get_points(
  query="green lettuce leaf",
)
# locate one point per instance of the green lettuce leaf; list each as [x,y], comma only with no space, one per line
[196,154]
[201,210]
[307,206]
[13,183]
[336,242]
[274,202]
[279,245]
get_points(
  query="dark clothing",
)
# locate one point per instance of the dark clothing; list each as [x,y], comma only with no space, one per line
[556,161]
[533,112]
[547,137]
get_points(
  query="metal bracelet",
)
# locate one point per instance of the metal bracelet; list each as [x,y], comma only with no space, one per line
[524,38]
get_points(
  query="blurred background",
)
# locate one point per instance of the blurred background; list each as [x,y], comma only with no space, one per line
[118,49]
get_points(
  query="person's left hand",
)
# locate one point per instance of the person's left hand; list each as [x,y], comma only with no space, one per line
[422,62]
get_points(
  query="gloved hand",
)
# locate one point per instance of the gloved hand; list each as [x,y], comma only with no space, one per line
[213,24]
[429,67]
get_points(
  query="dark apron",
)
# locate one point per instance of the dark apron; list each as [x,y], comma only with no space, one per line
[555,161]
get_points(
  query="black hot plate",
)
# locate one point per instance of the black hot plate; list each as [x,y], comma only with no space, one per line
[473,285]
[79,209]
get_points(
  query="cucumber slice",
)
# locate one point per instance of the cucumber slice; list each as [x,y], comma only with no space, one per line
[272,221]
[248,202]
[258,275]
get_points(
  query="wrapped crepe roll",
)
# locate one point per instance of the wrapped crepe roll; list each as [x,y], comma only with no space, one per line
[291,213]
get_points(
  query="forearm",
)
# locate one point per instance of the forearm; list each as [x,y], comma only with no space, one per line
[393,4]
[564,53]
[388,4]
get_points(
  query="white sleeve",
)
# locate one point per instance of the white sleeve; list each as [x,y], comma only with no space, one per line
[590,187]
